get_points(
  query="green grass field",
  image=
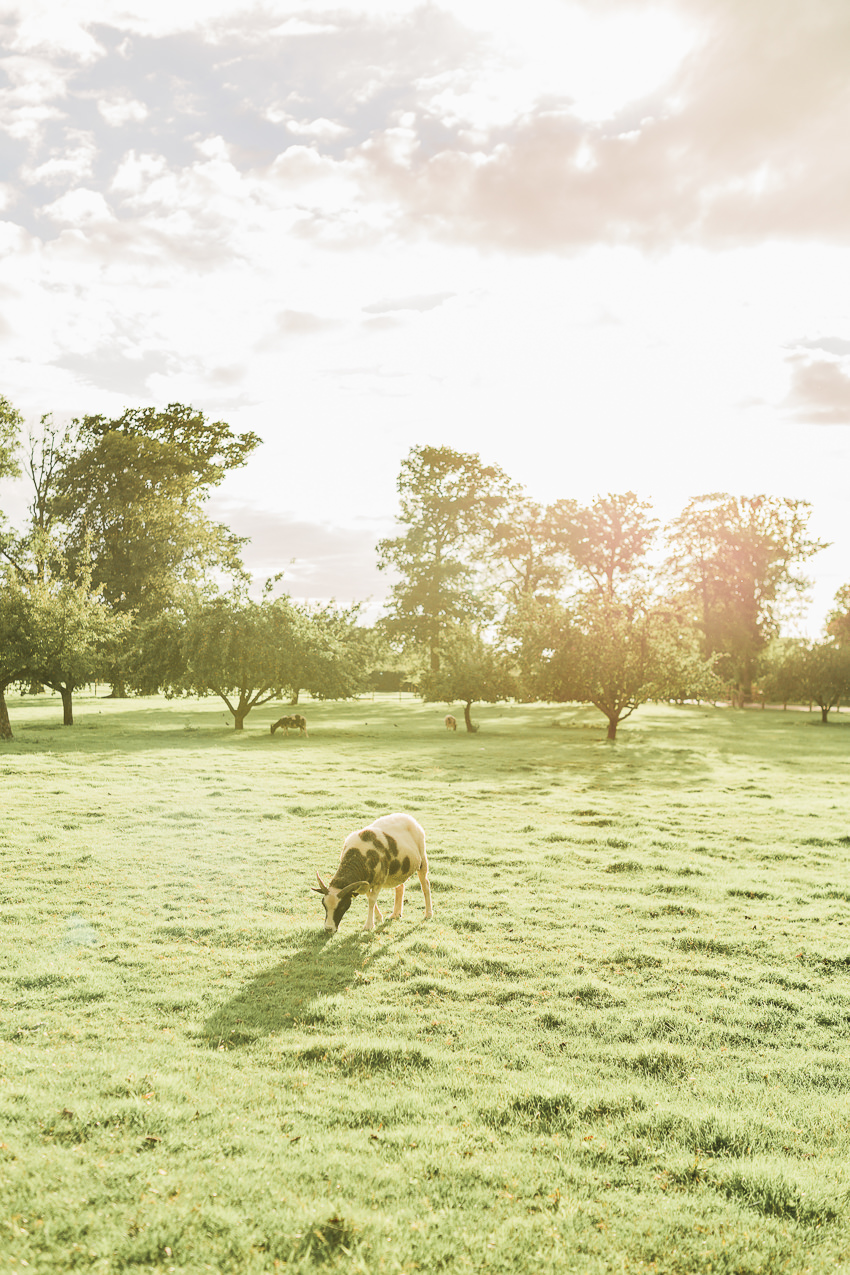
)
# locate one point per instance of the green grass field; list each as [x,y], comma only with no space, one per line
[620,1045]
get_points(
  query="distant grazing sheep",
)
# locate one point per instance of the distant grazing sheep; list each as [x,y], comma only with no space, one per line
[451,722]
[296,722]
[385,853]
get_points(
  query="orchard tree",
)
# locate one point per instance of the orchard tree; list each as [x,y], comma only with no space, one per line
[734,560]
[449,502]
[470,672]
[71,635]
[825,676]
[780,671]
[618,655]
[248,652]
[14,647]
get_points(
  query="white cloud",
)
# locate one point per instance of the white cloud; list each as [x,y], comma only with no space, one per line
[122,110]
[80,207]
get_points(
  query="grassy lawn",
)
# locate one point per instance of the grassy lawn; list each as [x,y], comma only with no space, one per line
[620,1045]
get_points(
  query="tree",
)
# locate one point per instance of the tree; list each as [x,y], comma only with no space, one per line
[130,495]
[529,547]
[609,539]
[248,653]
[825,676]
[14,649]
[618,655]
[780,671]
[71,635]
[734,561]
[449,501]
[470,672]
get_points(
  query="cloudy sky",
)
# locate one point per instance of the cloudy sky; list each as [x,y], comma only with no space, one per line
[604,244]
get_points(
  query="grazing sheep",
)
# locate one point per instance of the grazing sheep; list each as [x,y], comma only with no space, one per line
[451,722]
[295,722]
[385,853]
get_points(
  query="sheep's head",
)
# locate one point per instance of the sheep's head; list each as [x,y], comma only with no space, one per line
[336,901]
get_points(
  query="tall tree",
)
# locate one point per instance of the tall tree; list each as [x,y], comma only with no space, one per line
[734,560]
[609,539]
[449,502]
[130,493]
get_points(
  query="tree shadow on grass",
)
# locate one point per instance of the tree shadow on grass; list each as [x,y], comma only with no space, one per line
[282,997]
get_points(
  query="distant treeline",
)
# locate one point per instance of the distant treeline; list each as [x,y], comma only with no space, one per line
[119,575]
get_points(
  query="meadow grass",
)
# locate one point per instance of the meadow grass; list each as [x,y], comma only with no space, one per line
[620,1045]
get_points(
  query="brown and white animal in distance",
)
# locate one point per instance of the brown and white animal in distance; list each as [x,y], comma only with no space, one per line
[295,722]
[385,853]
[451,722]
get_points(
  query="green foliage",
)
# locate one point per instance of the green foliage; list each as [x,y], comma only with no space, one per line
[545,1078]
[249,652]
[609,539]
[11,421]
[470,672]
[449,501]
[734,560]
[130,492]
[71,636]
[618,655]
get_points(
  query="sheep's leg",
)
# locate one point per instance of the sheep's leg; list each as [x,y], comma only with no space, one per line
[374,911]
[426,889]
[399,900]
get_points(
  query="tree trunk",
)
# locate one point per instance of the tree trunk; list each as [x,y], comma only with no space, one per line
[612,727]
[467,717]
[294,699]
[824,714]
[5,724]
[119,689]
[67,706]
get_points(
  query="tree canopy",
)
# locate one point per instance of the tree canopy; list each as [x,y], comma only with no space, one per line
[449,501]
[733,561]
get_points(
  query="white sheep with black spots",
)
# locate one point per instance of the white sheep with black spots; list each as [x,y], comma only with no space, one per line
[385,853]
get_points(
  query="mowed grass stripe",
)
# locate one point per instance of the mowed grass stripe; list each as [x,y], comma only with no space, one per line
[621,1042]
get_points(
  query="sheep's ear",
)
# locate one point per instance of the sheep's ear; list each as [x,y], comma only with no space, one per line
[352,889]
[324,888]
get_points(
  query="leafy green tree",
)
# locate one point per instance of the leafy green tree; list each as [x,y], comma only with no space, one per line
[130,491]
[470,672]
[449,502]
[618,654]
[780,671]
[14,646]
[247,653]
[734,561]
[71,635]
[825,676]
